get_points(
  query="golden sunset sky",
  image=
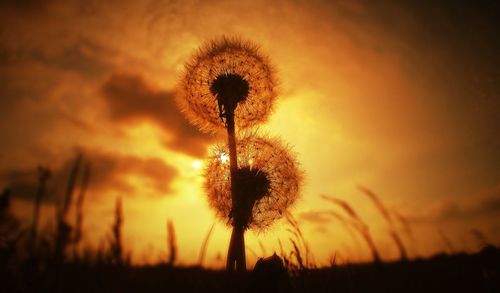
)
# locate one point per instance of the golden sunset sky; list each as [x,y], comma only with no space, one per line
[400,98]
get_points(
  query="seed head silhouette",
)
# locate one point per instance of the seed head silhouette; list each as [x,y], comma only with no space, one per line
[227,73]
[268,182]
[229,84]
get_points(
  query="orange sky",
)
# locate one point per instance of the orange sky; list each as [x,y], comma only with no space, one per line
[399,98]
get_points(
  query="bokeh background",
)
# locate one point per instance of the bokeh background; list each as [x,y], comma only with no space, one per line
[400,97]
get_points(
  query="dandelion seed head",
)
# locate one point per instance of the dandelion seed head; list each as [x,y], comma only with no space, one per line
[268,178]
[222,66]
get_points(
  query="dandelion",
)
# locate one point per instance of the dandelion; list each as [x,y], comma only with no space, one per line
[227,75]
[268,180]
[229,84]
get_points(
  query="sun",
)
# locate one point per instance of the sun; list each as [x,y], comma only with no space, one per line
[224,158]
[196,164]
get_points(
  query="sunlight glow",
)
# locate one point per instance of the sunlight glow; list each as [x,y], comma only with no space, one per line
[224,158]
[196,164]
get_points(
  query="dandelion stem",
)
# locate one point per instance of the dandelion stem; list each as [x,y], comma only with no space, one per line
[236,258]
[231,140]
[236,251]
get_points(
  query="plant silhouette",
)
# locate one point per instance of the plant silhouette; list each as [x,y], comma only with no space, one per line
[358,224]
[227,79]
[229,83]
[43,176]
[268,181]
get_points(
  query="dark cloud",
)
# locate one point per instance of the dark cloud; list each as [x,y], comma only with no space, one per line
[26,7]
[79,55]
[18,87]
[483,207]
[483,204]
[130,99]
[82,57]
[108,172]
[111,171]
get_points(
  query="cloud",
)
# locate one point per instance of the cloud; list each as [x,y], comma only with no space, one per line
[129,99]
[112,171]
[483,207]
[81,56]
[482,204]
[26,7]
[108,172]
[318,217]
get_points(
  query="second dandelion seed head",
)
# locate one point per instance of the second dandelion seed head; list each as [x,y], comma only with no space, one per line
[268,182]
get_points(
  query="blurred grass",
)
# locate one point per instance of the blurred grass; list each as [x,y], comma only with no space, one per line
[35,261]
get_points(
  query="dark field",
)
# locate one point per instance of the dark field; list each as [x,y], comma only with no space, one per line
[457,273]
[49,262]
